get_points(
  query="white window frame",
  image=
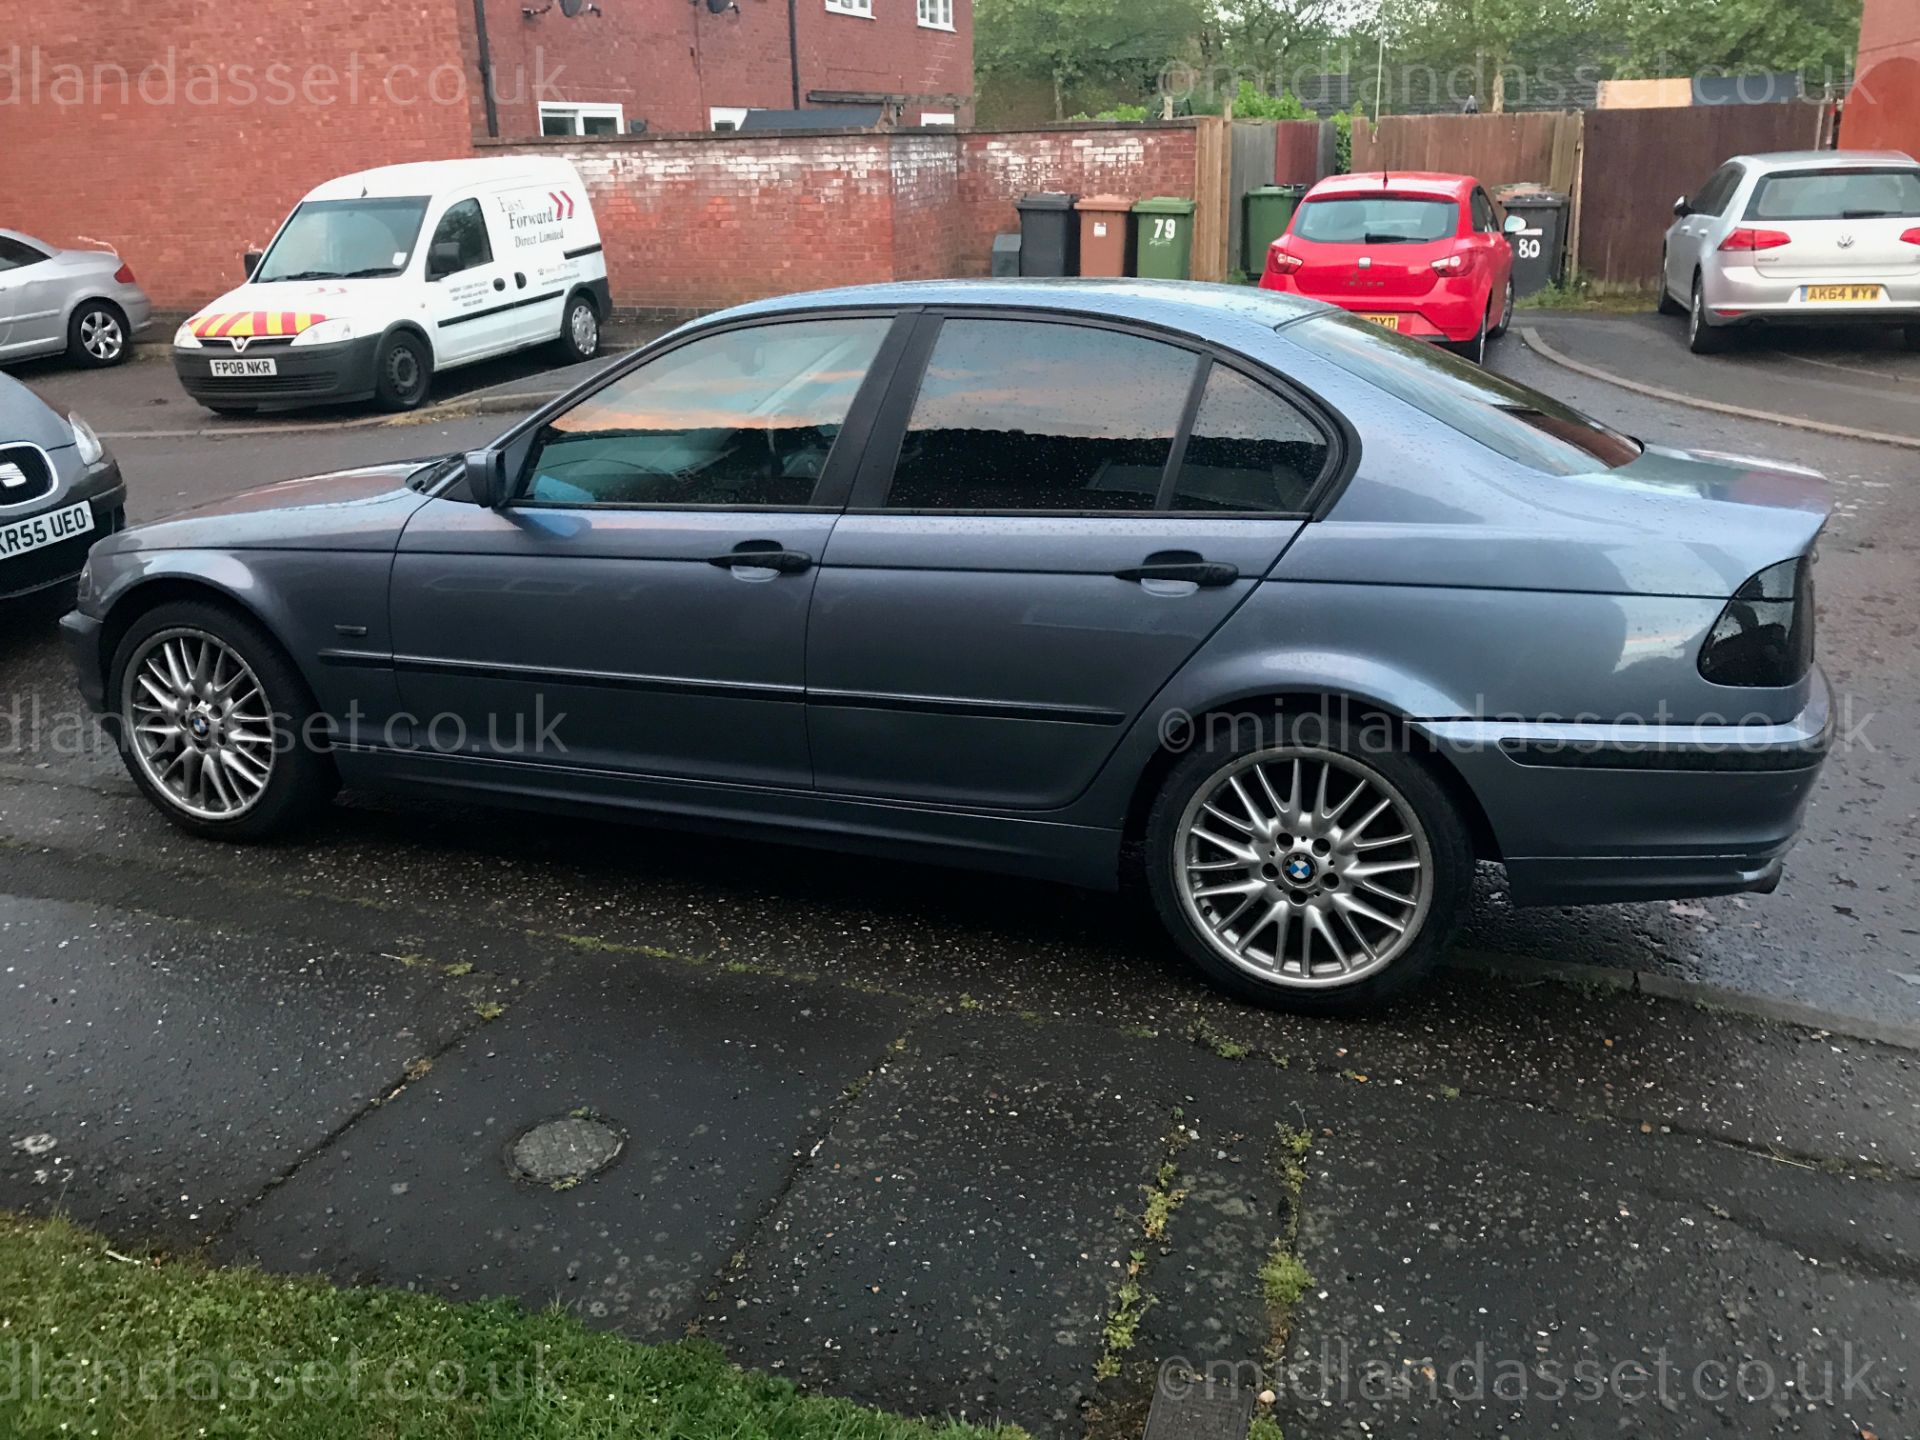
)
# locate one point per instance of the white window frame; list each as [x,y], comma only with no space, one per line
[936,14]
[579,111]
[938,117]
[861,9]
[735,115]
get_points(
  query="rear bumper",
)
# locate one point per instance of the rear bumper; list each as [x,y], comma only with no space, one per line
[305,374]
[1589,814]
[1434,316]
[1772,300]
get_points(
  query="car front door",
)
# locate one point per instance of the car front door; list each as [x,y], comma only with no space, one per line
[641,608]
[471,299]
[1034,546]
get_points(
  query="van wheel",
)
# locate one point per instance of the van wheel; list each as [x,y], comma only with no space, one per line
[97,334]
[579,331]
[403,372]
[1301,865]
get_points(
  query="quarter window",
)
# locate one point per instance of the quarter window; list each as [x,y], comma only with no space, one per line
[465,229]
[1249,451]
[1719,189]
[1015,415]
[748,417]
[15,255]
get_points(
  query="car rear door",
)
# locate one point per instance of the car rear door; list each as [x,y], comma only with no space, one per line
[1034,546]
[1691,240]
[641,608]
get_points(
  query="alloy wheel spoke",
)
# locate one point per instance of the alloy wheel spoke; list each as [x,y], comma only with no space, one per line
[1353,906]
[1236,848]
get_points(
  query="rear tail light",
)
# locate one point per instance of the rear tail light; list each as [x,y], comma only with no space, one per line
[1458,263]
[1746,239]
[1764,637]
[1912,237]
[1282,263]
[124,275]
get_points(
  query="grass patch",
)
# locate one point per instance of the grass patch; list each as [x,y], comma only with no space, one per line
[1208,1038]
[1130,1305]
[1581,294]
[144,1350]
[1265,1427]
[1283,1279]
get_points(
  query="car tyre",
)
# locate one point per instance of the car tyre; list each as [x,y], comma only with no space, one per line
[1262,784]
[1668,305]
[191,661]
[1476,348]
[233,412]
[403,372]
[1702,338]
[97,335]
[1506,315]
[579,331]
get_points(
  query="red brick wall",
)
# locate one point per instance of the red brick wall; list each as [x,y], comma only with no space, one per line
[695,223]
[206,162]
[999,166]
[1883,112]
[670,62]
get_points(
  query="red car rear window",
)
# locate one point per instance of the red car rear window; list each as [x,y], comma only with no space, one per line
[1377,220]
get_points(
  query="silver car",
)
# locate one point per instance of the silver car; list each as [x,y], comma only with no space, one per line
[84,303]
[1808,237]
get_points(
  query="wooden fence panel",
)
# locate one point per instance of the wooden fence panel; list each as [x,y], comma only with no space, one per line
[1537,146]
[1211,190]
[1251,166]
[1639,161]
[1303,152]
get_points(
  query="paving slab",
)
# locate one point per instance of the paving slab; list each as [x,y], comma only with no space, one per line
[1493,1270]
[718,1084]
[155,1077]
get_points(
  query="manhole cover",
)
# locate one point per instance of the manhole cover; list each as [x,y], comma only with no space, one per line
[561,1150]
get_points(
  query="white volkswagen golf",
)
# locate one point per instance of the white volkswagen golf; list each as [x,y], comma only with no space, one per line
[1810,237]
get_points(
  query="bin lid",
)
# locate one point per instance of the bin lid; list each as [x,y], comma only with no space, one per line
[1046,200]
[1277,192]
[1117,204]
[1529,197]
[1164,205]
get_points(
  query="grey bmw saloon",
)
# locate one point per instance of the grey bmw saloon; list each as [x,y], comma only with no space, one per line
[1215,591]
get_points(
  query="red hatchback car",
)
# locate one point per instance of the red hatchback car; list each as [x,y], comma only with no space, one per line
[1423,255]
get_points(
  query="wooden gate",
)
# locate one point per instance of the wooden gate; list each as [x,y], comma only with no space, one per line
[1538,147]
[1251,166]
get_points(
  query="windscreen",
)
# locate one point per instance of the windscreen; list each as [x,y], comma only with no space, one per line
[1837,195]
[1508,418]
[345,240]
[1377,220]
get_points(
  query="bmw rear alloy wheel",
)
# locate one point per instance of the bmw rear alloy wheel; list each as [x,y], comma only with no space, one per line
[1301,869]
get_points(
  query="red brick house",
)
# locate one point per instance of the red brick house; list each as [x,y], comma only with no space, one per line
[181,132]
[1883,112]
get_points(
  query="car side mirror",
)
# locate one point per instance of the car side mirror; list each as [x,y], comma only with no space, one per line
[1515,224]
[250,262]
[1681,208]
[443,259]
[487,478]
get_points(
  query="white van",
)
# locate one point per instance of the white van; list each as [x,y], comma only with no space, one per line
[378,280]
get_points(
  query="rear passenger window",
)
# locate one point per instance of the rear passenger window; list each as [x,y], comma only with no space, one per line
[1019,415]
[1250,450]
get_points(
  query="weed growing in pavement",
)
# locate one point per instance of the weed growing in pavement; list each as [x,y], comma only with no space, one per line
[1265,1427]
[1283,1279]
[1130,1305]
[1207,1038]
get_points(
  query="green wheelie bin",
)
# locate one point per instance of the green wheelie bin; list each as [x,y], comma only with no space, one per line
[1163,238]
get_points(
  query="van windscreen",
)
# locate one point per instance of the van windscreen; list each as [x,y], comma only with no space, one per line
[345,240]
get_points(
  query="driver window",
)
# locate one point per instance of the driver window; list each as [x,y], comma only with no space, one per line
[465,228]
[748,417]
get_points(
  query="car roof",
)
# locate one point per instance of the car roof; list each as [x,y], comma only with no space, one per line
[433,177]
[1182,305]
[1834,159]
[1372,182]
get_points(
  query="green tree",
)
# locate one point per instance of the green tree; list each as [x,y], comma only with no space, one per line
[1480,40]
[1076,42]
[1689,37]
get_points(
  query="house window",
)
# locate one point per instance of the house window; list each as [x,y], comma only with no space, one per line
[862,8]
[936,14]
[582,119]
[727,117]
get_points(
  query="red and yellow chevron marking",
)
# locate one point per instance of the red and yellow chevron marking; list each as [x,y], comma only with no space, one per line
[254,323]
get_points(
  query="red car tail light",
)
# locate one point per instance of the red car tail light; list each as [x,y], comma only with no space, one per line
[124,275]
[1458,263]
[1746,239]
[1282,263]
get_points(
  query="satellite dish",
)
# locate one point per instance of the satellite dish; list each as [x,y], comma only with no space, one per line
[571,8]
